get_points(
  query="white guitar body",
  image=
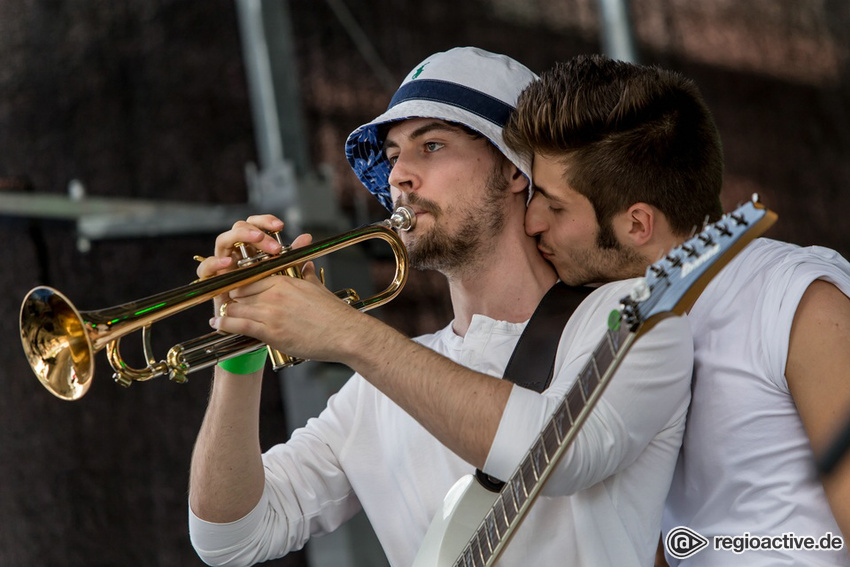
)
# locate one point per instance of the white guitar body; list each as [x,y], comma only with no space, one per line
[455,523]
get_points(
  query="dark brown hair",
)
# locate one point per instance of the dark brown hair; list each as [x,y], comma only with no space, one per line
[626,133]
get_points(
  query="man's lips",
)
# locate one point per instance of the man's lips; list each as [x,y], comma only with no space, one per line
[544,251]
[419,210]
[419,213]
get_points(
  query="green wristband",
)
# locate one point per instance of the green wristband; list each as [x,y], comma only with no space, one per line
[247,363]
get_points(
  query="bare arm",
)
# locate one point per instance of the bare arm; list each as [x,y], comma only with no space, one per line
[818,374]
[227,475]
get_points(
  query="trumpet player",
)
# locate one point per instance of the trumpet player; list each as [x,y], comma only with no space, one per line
[419,414]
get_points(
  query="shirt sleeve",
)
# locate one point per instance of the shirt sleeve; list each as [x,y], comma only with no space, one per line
[306,494]
[646,398]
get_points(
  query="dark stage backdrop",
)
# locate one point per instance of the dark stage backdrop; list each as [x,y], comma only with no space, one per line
[149,100]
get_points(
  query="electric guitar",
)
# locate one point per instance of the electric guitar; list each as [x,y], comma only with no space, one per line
[474,524]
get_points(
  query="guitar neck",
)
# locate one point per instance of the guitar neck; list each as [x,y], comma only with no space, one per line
[525,483]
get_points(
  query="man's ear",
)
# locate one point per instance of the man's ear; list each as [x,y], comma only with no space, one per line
[517,181]
[638,224]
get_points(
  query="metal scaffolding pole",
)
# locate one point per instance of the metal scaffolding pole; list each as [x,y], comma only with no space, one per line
[308,201]
[617,34]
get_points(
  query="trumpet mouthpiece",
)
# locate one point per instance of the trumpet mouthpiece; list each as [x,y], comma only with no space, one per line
[403,218]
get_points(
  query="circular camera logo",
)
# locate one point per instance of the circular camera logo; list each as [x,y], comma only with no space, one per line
[684,542]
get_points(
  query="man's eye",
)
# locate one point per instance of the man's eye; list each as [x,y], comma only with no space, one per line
[392,160]
[433,146]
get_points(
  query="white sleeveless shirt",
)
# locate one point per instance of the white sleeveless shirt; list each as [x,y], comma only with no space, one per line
[746,466]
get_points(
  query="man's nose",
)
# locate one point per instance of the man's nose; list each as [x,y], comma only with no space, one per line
[535,221]
[403,175]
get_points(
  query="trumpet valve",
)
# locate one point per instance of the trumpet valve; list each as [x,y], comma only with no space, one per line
[248,260]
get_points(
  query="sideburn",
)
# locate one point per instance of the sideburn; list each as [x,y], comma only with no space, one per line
[605,238]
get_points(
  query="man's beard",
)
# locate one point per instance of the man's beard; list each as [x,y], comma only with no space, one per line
[609,261]
[461,251]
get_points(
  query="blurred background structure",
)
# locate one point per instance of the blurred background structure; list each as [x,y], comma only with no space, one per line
[131,133]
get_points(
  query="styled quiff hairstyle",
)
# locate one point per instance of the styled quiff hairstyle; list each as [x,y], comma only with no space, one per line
[625,133]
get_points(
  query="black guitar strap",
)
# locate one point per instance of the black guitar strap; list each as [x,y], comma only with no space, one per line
[532,364]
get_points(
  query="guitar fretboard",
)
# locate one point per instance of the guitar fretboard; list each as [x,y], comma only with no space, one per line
[521,488]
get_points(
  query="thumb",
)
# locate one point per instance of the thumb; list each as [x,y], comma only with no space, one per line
[308,272]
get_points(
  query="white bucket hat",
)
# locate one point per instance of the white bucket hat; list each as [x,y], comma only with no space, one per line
[465,85]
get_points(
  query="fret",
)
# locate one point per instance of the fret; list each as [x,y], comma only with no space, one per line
[538,455]
[493,534]
[518,491]
[484,546]
[529,475]
[510,506]
[610,342]
[562,414]
[575,403]
[465,559]
[604,362]
[500,515]
[605,354]
[475,551]
[550,436]
[582,383]
[620,337]
[595,368]
[613,342]
[593,375]
[522,474]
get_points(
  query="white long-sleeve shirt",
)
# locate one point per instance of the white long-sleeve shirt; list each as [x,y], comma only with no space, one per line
[601,507]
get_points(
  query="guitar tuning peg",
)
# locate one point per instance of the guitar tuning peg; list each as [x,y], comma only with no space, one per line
[691,251]
[738,219]
[723,229]
[674,260]
[640,291]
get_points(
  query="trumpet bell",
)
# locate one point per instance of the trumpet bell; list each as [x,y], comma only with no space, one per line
[56,343]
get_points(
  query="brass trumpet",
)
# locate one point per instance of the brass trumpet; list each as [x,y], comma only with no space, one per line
[60,341]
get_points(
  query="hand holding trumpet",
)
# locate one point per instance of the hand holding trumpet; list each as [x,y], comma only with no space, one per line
[298,316]
[254,232]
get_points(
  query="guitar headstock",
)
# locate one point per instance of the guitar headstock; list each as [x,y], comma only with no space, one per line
[673,284]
